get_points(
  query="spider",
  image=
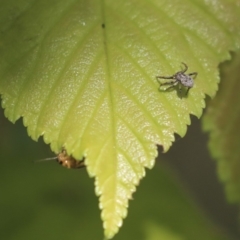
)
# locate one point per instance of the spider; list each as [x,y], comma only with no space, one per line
[180,78]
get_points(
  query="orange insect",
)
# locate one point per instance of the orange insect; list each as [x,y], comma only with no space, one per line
[66,161]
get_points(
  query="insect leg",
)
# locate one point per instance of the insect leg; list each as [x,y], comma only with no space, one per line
[80,164]
[46,159]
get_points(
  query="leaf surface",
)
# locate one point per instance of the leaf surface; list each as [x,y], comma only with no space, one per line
[83,75]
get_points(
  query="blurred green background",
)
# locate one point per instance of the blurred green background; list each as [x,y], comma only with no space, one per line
[47,201]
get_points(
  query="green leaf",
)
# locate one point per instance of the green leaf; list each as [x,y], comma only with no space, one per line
[222,121]
[83,75]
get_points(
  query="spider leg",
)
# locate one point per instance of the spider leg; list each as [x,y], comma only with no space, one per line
[164,77]
[187,91]
[169,83]
[158,77]
[194,74]
[170,87]
[180,90]
[172,83]
[186,67]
